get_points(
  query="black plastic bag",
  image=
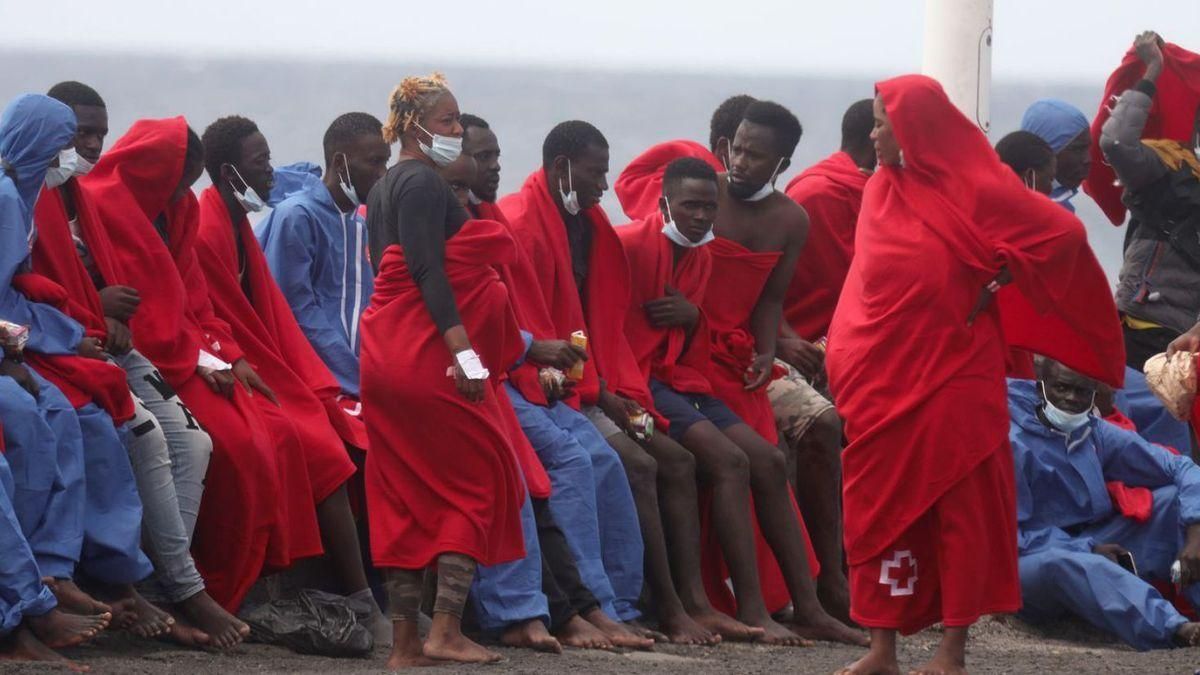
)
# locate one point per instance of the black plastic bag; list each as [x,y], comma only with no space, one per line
[314,622]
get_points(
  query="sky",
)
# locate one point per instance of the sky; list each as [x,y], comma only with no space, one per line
[1035,40]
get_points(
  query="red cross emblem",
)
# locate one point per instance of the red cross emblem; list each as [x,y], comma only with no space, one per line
[899,573]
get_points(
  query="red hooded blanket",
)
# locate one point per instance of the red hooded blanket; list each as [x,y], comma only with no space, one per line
[831,192]
[442,474]
[240,527]
[923,394]
[1171,116]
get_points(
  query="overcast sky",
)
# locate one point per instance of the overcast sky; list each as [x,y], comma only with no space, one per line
[1034,39]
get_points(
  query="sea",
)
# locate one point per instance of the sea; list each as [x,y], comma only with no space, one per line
[294,100]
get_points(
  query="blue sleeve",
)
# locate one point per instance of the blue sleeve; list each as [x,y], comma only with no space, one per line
[527,338]
[290,251]
[1133,460]
[50,331]
[1033,536]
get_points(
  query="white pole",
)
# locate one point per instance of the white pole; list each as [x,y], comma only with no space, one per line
[958,53]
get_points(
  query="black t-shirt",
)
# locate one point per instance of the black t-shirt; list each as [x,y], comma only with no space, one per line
[413,207]
[579,239]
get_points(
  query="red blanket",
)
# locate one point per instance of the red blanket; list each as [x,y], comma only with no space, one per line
[539,229]
[831,192]
[81,380]
[442,475]
[922,393]
[241,528]
[1171,116]
[640,185]
[666,354]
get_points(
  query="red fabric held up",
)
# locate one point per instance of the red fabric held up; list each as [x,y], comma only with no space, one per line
[1171,116]
[640,185]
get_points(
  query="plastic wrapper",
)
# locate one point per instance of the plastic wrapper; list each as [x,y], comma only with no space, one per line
[313,622]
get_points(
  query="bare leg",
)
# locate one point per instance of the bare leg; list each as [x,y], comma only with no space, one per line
[817,482]
[446,640]
[726,468]
[339,536]
[880,660]
[781,528]
[951,655]
[646,475]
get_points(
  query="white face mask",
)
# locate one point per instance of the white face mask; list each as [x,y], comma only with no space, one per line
[249,199]
[445,149]
[570,198]
[768,187]
[82,166]
[345,184]
[672,232]
[475,201]
[68,160]
[1061,419]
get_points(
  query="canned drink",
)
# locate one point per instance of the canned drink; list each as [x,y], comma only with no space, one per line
[643,426]
[579,339]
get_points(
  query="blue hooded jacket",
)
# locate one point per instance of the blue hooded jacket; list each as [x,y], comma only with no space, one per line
[1058,123]
[1061,476]
[33,129]
[317,255]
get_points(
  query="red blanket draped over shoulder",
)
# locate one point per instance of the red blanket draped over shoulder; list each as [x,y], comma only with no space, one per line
[666,354]
[264,326]
[442,474]
[831,192]
[539,228]
[241,527]
[923,394]
[640,184]
[1171,116]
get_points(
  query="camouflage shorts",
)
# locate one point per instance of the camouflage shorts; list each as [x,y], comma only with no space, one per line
[797,404]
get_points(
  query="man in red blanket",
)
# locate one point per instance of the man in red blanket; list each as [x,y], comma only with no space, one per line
[245,295]
[169,451]
[919,374]
[142,192]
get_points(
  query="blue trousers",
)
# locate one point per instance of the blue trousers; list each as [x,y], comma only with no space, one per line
[1058,582]
[511,593]
[591,501]
[22,592]
[1153,421]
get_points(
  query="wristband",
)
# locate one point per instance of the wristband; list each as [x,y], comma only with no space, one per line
[471,366]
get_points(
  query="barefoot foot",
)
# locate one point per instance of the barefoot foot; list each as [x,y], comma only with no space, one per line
[682,629]
[225,630]
[457,647]
[533,635]
[147,620]
[619,634]
[941,666]
[775,633]
[821,626]
[580,634]
[726,626]
[23,645]
[406,648]
[183,633]
[834,595]
[58,629]
[872,664]
[72,599]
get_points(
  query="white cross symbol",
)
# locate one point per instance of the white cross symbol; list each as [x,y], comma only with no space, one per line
[896,563]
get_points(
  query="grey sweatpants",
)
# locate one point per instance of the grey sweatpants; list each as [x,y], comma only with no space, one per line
[169,453]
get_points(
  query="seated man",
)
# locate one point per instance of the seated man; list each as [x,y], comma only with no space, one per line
[1078,556]
[315,243]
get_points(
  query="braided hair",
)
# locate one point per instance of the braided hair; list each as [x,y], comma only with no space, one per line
[411,99]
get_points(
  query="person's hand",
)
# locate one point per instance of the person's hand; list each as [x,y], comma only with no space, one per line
[119,302]
[802,355]
[472,390]
[120,339]
[1148,46]
[220,381]
[556,353]
[21,374]
[758,373]
[1188,342]
[1189,556]
[1110,551]
[619,409]
[671,310]
[90,348]
[245,374]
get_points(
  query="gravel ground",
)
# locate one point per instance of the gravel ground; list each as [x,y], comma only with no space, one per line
[997,646]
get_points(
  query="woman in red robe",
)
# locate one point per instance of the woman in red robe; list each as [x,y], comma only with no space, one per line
[929,492]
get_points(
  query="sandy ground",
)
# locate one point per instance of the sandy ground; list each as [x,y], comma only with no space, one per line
[998,646]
